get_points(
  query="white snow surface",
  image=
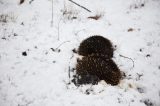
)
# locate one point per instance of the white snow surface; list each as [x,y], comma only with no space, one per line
[41,77]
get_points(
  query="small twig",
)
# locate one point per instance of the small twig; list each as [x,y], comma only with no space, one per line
[57,48]
[58,27]
[62,44]
[96,17]
[127,58]
[80,5]
[52,15]
[69,69]
[77,34]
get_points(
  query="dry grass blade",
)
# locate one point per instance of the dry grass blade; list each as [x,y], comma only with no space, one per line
[96,17]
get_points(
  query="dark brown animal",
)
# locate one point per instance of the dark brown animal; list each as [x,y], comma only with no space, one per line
[96,45]
[93,68]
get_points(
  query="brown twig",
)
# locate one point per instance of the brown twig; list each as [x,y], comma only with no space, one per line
[96,17]
[127,58]
[80,5]
[57,48]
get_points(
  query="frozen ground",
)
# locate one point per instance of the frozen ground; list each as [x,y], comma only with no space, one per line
[35,54]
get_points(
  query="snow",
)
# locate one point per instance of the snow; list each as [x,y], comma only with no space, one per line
[40,78]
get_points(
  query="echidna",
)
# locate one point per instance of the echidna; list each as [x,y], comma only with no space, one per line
[97,68]
[96,45]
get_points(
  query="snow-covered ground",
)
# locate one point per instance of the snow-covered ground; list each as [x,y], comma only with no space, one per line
[35,54]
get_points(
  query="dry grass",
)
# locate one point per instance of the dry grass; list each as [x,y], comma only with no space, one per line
[96,17]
